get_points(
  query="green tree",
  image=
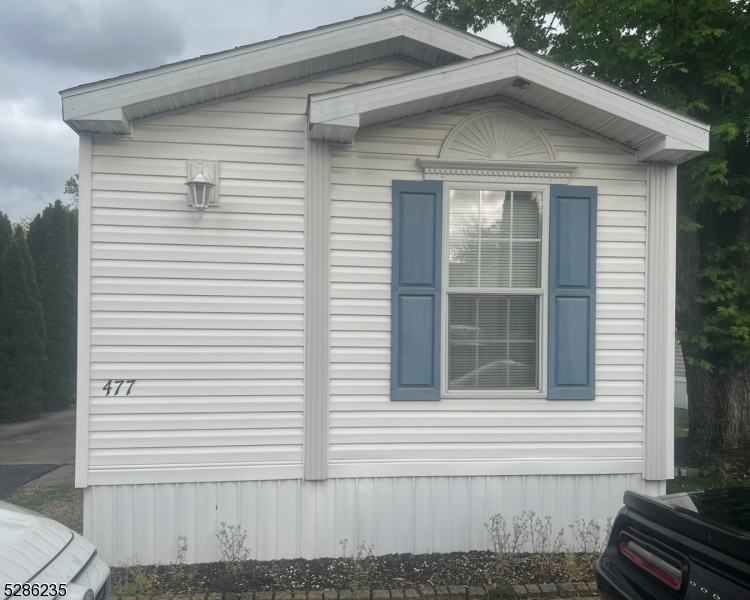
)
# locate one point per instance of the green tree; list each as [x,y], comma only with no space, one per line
[6,232]
[71,190]
[693,56]
[22,333]
[52,250]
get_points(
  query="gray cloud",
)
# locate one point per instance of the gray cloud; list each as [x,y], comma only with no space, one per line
[89,37]
[50,45]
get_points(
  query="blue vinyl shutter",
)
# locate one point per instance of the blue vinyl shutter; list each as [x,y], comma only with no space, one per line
[415,294]
[572,293]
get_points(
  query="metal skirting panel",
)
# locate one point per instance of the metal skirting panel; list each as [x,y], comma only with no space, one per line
[293,518]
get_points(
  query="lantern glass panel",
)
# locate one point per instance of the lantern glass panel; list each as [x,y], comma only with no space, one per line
[202,194]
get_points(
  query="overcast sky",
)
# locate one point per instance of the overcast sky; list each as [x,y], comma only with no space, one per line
[50,45]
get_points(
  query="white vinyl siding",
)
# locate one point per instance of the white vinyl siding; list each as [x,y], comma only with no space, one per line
[207,315]
[373,436]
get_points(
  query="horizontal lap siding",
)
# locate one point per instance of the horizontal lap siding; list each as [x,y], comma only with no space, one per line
[206,314]
[372,436]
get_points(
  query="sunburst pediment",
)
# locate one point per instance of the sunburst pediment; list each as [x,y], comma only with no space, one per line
[498,135]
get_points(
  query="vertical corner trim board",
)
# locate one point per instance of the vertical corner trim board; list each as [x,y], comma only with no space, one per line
[317,311]
[661,248]
[84,309]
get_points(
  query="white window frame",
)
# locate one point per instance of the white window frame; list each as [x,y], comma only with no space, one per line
[541,392]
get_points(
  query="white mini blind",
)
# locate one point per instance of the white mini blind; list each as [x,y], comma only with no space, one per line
[492,342]
[495,239]
[495,246]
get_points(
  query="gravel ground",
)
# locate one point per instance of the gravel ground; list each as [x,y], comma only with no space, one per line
[377,572]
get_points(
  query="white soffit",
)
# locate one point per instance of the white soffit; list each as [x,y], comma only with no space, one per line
[108,106]
[657,133]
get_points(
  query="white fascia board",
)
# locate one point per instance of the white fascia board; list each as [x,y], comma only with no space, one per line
[113,120]
[667,147]
[340,131]
[218,68]
[684,133]
[613,100]
[448,39]
[359,99]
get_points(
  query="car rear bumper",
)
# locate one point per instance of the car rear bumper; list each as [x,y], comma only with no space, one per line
[612,584]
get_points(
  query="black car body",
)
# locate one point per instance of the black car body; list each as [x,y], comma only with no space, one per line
[691,546]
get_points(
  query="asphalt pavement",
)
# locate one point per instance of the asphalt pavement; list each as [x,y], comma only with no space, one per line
[31,449]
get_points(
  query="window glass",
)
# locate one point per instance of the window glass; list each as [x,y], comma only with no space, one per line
[495,239]
[492,342]
[495,247]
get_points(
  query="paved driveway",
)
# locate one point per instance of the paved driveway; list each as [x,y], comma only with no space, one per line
[30,449]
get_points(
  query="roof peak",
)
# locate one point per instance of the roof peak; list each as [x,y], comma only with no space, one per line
[108,106]
[386,12]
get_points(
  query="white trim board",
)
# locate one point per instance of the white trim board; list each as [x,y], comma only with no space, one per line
[169,86]
[542,292]
[644,123]
[84,310]
[661,253]
[495,172]
[317,309]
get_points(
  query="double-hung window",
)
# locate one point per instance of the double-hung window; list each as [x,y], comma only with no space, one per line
[494,289]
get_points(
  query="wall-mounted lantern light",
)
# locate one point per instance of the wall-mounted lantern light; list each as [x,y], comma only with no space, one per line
[201,188]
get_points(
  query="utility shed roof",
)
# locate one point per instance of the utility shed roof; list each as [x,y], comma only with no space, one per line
[110,105]
[657,133]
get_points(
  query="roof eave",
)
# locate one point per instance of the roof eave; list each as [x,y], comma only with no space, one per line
[81,102]
[671,136]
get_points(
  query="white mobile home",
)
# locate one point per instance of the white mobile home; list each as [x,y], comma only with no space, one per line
[434,281]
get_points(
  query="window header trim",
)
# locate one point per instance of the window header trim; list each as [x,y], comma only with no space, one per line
[477,171]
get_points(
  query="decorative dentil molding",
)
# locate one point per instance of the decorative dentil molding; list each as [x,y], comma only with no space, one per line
[436,168]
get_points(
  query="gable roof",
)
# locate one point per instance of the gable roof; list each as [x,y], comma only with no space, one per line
[458,67]
[108,106]
[657,133]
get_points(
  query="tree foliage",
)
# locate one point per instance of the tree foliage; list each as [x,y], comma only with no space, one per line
[6,232]
[690,55]
[694,57]
[50,244]
[71,190]
[22,333]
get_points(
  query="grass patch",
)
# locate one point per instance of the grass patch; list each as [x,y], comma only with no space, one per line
[681,427]
[37,500]
[140,581]
[693,484]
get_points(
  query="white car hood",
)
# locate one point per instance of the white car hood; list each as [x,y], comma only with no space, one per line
[28,542]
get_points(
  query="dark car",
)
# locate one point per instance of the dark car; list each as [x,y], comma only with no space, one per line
[692,546]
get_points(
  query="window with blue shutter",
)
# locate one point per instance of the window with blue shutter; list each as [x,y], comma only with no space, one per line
[572,293]
[416,289]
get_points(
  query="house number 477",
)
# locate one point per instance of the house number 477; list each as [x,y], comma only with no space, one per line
[118,382]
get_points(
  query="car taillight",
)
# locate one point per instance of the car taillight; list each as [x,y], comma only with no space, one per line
[665,568]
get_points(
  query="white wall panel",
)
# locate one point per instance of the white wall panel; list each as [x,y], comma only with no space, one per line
[373,436]
[293,518]
[207,315]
